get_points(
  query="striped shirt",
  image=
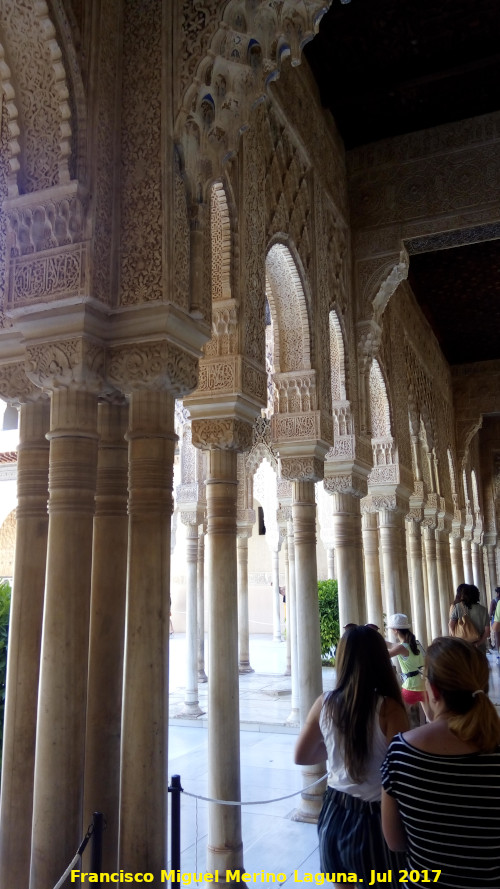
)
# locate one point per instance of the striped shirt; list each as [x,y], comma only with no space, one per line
[450,808]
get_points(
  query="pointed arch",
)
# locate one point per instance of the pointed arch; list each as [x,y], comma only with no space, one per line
[287,304]
[380,415]
[220,231]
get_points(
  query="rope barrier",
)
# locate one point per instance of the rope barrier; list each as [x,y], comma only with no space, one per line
[75,860]
[256,802]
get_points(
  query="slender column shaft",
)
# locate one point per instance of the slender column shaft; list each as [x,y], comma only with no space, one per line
[60,740]
[426,587]
[418,589]
[330,563]
[276,597]
[309,643]
[457,565]
[291,599]
[444,578]
[467,560]
[288,667]
[492,574]
[477,567]
[143,796]
[191,707]
[202,676]
[432,582]
[225,848]
[349,557]
[243,624]
[25,631]
[374,608]
[107,622]
[396,593]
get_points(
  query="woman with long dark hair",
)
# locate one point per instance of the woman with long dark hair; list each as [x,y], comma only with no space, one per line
[351,728]
[441,781]
[469,604]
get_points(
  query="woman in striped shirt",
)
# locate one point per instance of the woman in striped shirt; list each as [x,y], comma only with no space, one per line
[441,796]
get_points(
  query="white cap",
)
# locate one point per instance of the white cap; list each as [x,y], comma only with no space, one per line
[398,622]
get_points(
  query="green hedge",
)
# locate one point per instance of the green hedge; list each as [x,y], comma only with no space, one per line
[328,617]
[5,593]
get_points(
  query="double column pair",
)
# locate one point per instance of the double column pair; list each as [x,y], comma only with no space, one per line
[87,710]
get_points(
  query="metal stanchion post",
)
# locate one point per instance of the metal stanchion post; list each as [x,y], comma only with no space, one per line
[175,836]
[96,845]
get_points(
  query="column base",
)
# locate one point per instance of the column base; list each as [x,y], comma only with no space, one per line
[305,817]
[294,717]
[190,711]
[278,638]
[202,676]
[245,668]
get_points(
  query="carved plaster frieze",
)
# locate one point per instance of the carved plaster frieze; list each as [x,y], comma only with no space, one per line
[306,468]
[232,374]
[224,434]
[384,475]
[296,426]
[16,386]
[77,362]
[62,273]
[152,365]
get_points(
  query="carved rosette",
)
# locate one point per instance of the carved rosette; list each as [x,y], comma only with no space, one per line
[224,434]
[152,365]
[78,362]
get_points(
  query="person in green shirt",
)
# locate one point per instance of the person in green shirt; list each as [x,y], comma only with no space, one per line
[410,654]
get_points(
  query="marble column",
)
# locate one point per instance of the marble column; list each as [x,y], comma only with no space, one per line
[446,594]
[492,573]
[477,567]
[467,560]
[308,632]
[349,557]
[392,547]
[374,607]
[225,848]
[107,624]
[288,662]
[143,794]
[291,600]
[330,563]
[25,631]
[432,581]
[191,705]
[243,622]
[276,596]
[457,565]
[418,589]
[202,676]
[60,738]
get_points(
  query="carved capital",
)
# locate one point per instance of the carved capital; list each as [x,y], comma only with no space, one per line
[350,483]
[152,365]
[78,362]
[224,434]
[16,386]
[307,468]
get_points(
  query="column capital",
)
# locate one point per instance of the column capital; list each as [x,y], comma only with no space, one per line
[152,365]
[77,362]
[15,386]
[227,433]
[353,483]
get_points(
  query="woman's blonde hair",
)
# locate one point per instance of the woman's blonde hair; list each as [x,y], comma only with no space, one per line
[460,673]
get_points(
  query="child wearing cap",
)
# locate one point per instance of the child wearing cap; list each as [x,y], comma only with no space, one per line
[410,655]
